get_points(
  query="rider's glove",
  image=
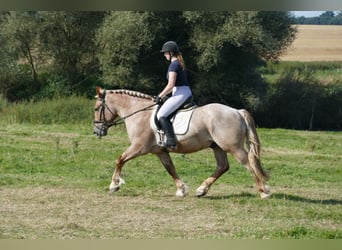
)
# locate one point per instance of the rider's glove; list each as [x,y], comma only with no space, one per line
[158,100]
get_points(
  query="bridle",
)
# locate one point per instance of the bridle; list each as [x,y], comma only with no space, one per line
[103,107]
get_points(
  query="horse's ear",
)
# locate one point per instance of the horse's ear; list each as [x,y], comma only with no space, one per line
[99,92]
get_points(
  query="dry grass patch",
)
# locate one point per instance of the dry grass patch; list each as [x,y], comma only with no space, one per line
[61,213]
[65,213]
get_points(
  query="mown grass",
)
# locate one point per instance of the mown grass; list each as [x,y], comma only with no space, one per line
[54,184]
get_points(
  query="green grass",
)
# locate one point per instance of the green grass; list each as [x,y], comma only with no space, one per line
[60,110]
[324,72]
[54,184]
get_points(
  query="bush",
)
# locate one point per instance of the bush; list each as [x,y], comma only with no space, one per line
[18,85]
[299,101]
[329,110]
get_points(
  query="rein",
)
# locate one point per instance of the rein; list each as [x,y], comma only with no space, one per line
[118,120]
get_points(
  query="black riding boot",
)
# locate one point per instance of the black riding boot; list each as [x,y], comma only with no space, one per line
[168,130]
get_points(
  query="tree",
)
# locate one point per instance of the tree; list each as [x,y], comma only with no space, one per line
[69,40]
[122,37]
[20,30]
[326,17]
[265,34]
[19,53]
[337,20]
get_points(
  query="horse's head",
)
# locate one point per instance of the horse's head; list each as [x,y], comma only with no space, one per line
[104,113]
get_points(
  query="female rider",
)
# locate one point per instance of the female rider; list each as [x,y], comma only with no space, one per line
[178,85]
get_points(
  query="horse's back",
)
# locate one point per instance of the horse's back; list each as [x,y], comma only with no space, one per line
[222,123]
[219,114]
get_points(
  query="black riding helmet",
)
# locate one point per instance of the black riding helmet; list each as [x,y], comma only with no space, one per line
[170,46]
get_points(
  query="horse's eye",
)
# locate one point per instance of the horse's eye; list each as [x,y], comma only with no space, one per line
[96,109]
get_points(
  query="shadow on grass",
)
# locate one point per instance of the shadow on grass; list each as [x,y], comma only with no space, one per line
[279,196]
[296,198]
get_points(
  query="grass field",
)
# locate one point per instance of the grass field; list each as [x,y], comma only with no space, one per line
[325,72]
[316,43]
[54,180]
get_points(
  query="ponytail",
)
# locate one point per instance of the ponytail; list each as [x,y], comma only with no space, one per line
[180,60]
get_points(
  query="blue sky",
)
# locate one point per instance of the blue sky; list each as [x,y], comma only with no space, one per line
[307,13]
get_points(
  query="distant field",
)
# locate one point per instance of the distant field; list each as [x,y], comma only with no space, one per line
[316,43]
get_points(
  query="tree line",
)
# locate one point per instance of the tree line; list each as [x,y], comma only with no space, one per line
[66,51]
[326,18]
[61,53]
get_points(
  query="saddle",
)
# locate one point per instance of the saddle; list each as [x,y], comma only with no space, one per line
[180,120]
[188,104]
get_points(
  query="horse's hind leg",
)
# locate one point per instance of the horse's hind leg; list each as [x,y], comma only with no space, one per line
[242,156]
[166,160]
[221,168]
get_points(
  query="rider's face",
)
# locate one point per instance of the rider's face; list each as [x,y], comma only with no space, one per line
[167,55]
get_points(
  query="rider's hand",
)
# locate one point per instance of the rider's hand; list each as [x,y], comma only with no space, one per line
[158,100]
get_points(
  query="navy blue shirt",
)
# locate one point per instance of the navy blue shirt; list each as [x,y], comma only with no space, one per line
[182,78]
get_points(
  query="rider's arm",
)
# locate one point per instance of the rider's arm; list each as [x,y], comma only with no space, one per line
[171,83]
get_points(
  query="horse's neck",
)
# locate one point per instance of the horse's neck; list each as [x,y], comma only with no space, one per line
[127,105]
[136,112]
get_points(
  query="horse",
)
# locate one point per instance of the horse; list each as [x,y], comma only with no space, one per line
[216,126]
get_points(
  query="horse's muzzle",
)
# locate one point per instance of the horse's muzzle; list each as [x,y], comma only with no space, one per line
[100,130]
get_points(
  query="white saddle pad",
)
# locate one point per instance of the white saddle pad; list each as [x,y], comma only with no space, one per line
[180,121]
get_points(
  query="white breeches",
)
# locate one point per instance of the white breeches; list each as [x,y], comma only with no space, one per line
[179,96]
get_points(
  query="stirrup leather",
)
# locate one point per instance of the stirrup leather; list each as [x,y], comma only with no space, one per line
[161,138]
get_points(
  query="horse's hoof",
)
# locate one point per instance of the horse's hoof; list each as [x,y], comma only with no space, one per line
[267,193]
[115,187]
[182,191]
[201,191]
[113,190]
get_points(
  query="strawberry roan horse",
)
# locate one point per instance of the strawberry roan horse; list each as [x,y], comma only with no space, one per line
[222,128]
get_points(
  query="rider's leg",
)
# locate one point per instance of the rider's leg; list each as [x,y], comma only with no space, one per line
[168,130]
[179,96]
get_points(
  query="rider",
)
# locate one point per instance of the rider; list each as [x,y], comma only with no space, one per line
[178,85]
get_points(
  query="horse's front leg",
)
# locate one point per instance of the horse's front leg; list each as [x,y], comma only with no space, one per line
[132,152]
[166,160]
[117,181]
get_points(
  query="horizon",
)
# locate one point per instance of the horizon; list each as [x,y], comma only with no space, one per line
[308,13]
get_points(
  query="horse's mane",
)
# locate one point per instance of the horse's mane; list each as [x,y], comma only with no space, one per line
[132,93]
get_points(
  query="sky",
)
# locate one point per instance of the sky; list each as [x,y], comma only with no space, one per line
[307,13]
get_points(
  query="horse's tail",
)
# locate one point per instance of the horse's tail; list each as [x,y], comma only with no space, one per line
[253,144]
